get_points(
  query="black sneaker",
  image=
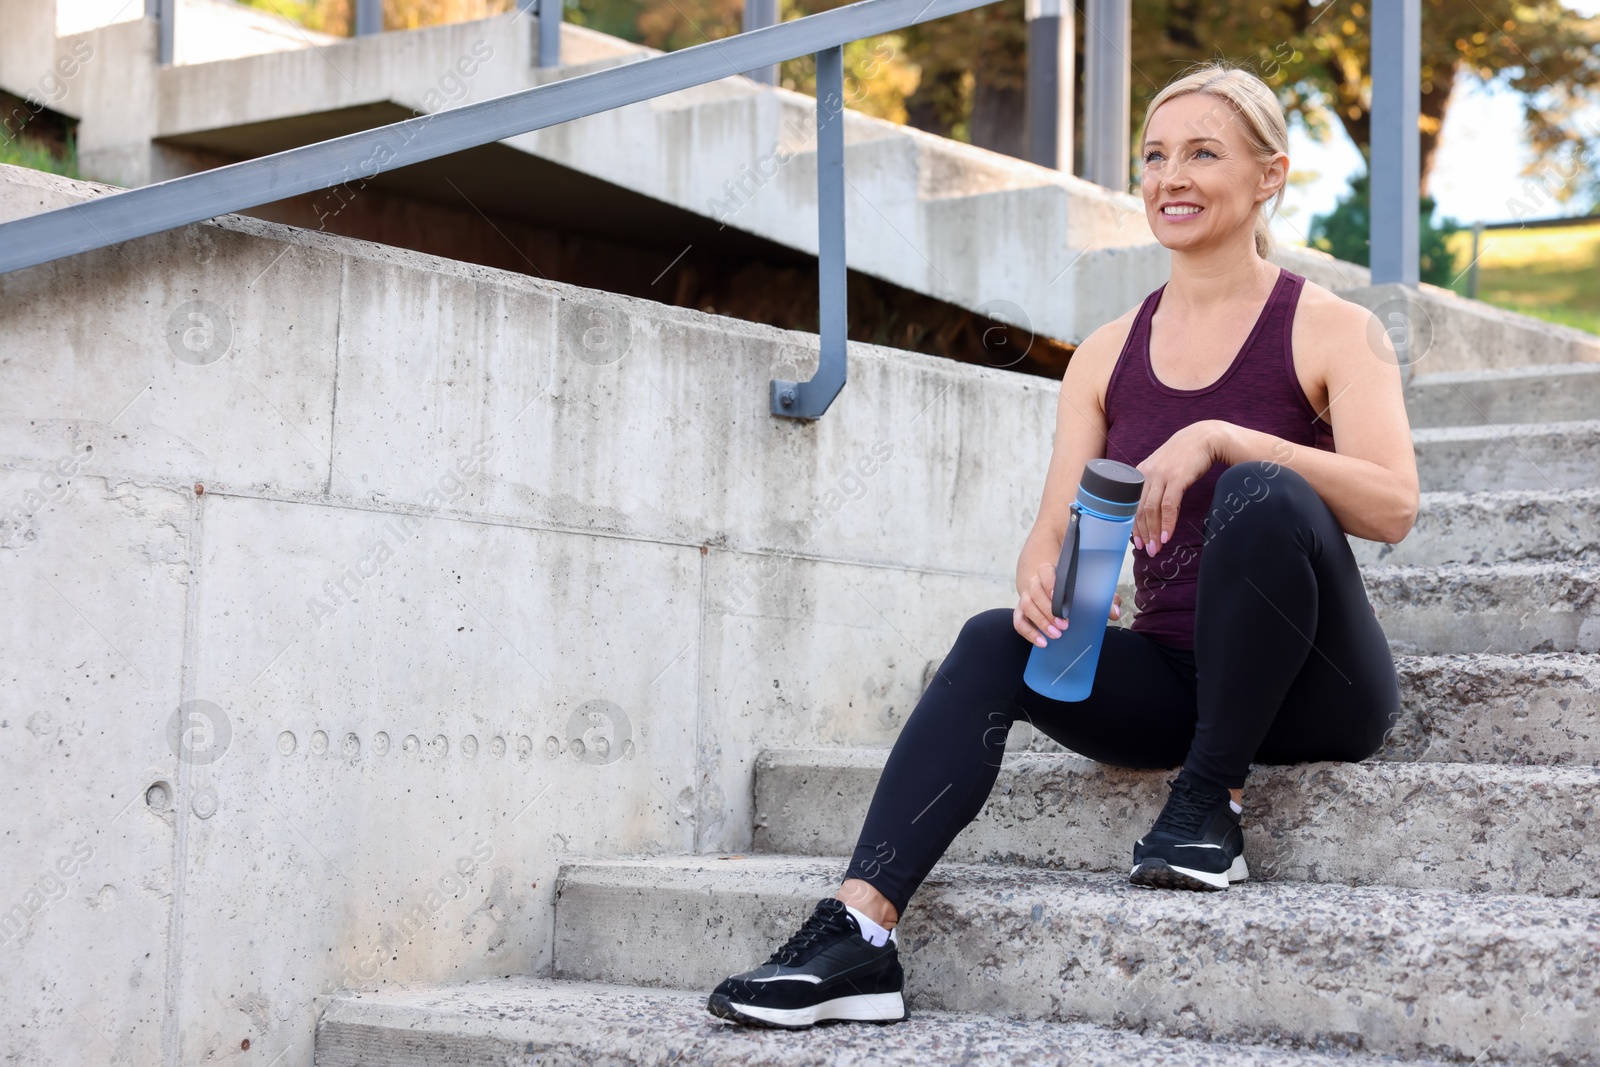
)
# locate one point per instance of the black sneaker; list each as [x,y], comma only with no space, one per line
[827,970]
[1195,843]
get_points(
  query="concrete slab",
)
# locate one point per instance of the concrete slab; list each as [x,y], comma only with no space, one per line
[426,715]
[95,574]
[1502,607]
[1397,971]
[1545,456]
[1526,709]
[1477,827]
[812,652]
[1560,392]
[582,1023]
[195,356]
[1508,526]
[1449,333]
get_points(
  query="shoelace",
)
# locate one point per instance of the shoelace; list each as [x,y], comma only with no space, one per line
[1186,810]
[811,931]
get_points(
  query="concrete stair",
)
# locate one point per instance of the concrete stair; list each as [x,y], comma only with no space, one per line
[1479,827]
[1560,392]
[558,1023]
[1409,972]
[1553,456]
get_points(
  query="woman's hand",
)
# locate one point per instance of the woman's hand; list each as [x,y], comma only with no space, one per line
[1168,472]
[1033,618]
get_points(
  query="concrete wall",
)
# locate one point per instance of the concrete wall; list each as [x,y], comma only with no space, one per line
[448,574]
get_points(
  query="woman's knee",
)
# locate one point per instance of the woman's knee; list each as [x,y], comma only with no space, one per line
[1258,497]
[990,634]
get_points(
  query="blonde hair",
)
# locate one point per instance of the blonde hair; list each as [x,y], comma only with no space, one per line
[1264,127]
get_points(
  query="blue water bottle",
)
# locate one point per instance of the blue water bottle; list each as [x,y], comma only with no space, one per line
[1086,579]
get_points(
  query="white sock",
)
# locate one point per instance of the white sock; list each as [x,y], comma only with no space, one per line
[1238,809]
[870,930]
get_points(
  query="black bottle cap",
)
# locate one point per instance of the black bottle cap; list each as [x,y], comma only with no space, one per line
[1111,481]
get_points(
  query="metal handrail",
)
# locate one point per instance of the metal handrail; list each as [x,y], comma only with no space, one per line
[123,216]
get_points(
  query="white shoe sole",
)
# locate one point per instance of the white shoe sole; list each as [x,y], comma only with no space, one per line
[865,1008]
[1238,872]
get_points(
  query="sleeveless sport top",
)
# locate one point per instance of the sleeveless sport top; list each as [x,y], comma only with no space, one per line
[1259,391]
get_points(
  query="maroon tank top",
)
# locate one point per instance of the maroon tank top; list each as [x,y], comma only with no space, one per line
[1259,391]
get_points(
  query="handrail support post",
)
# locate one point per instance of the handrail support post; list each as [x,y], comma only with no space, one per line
[165,14]
[369,17]
[550,13]
[758,14]
[809,399]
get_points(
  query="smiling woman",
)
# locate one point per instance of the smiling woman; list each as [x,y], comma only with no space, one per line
[1227,387]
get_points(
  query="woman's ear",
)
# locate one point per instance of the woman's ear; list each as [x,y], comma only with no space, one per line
[1273,178]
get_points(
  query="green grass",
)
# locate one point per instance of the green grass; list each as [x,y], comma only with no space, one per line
[23,152]
[1551,274]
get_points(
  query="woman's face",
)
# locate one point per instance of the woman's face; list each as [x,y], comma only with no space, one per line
[1201,183]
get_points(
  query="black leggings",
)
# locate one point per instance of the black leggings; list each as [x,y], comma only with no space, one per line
[1289,666]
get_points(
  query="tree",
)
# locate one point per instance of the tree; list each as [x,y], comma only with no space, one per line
[1316,56]
[1345,234]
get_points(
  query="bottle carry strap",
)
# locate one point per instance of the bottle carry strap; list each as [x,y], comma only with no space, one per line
[1067,567]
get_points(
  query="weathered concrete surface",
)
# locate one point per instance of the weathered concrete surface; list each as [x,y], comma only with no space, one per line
[448,594]
[1409,972]
[1545,456]
[1501,607]
[1508,526]
[1542,709]
[1476,708]
[1448,333]
[1562,392]
[94,573]
[1478,827]
[553,1023]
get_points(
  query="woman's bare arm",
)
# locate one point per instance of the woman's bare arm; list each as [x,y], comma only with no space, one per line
[1080,436]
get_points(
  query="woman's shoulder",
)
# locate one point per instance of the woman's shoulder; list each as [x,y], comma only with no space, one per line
[1327,325]
[1095,360]
[1097,354]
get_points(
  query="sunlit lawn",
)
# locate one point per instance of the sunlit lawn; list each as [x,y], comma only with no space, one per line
[1550,274]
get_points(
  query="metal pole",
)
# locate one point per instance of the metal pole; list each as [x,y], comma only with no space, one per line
[809,399]
[550,16]
[1396,105]
[164,12]
[757,14]
[369,17]
[1052,72]
[1107,43]
[1472,267]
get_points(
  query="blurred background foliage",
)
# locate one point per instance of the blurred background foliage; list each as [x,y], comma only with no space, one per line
[964,76]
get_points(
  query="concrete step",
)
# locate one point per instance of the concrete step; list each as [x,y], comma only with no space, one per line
[1407,972]
[1477,827]
[1540,709]
[1543,456]
[1560,391]
[1501,607]
[555,1023]
[1502,527]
